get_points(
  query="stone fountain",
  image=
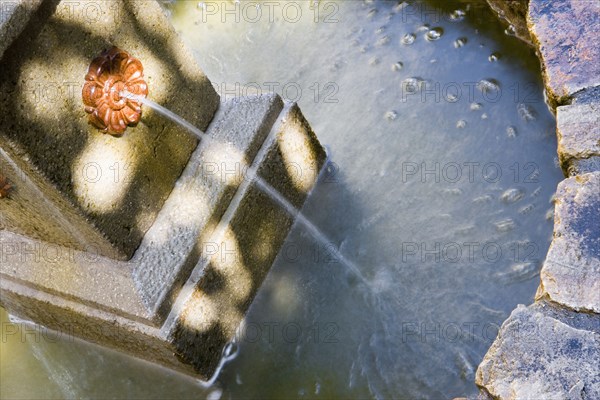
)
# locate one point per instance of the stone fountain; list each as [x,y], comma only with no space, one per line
[152,243]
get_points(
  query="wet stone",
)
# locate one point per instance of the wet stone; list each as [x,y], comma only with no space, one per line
[578,130]
[580,167]
[571,273]
[565,33]
[543,352]
[515,13]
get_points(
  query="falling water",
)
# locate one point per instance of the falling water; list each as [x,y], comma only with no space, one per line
[261,183]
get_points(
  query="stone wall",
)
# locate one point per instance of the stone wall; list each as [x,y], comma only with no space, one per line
[551,349]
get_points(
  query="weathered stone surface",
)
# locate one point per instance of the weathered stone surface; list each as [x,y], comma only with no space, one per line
[35,208]
[543,353]
[565,33]
[117,185]
[587,96]
[14,15]
[217,236]
[578,131]
[583,166]
[515,13]
[571,272]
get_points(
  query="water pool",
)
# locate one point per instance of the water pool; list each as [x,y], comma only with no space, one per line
[439,189]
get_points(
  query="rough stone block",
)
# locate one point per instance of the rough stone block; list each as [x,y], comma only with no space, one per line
[578,131]
[178,301]
[543,353]
[571,272]
[118,185]
[565,33]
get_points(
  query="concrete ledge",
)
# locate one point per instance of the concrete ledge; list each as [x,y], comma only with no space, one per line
[216,236]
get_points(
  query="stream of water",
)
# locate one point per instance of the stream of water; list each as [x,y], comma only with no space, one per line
[438,191]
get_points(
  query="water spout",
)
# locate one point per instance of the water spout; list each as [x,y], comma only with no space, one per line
[164,112]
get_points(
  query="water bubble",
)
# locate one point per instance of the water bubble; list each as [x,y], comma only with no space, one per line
[505,225]
[461,124]
[485,199]
[423,28]
[372,13]
[397,66]
[383,40]
[476,106]
[457,15]
[452,97]
[374,61]
[364,49]
[488,85]
[512,195]
[484,116]
[511,131]
[412,85]
[400,6]
[408,39]
[494,57]
[526,209]
[460,42]
[215,395]
[380,30]
[453,192]
[526,112]
[391,115]
[337,65]
[518,272]
[230,350]
[434,34]
[550,214]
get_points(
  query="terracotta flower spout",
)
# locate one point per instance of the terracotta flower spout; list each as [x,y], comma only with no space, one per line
[109,74]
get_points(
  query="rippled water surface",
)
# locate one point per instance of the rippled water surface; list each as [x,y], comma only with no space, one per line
[439,189]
